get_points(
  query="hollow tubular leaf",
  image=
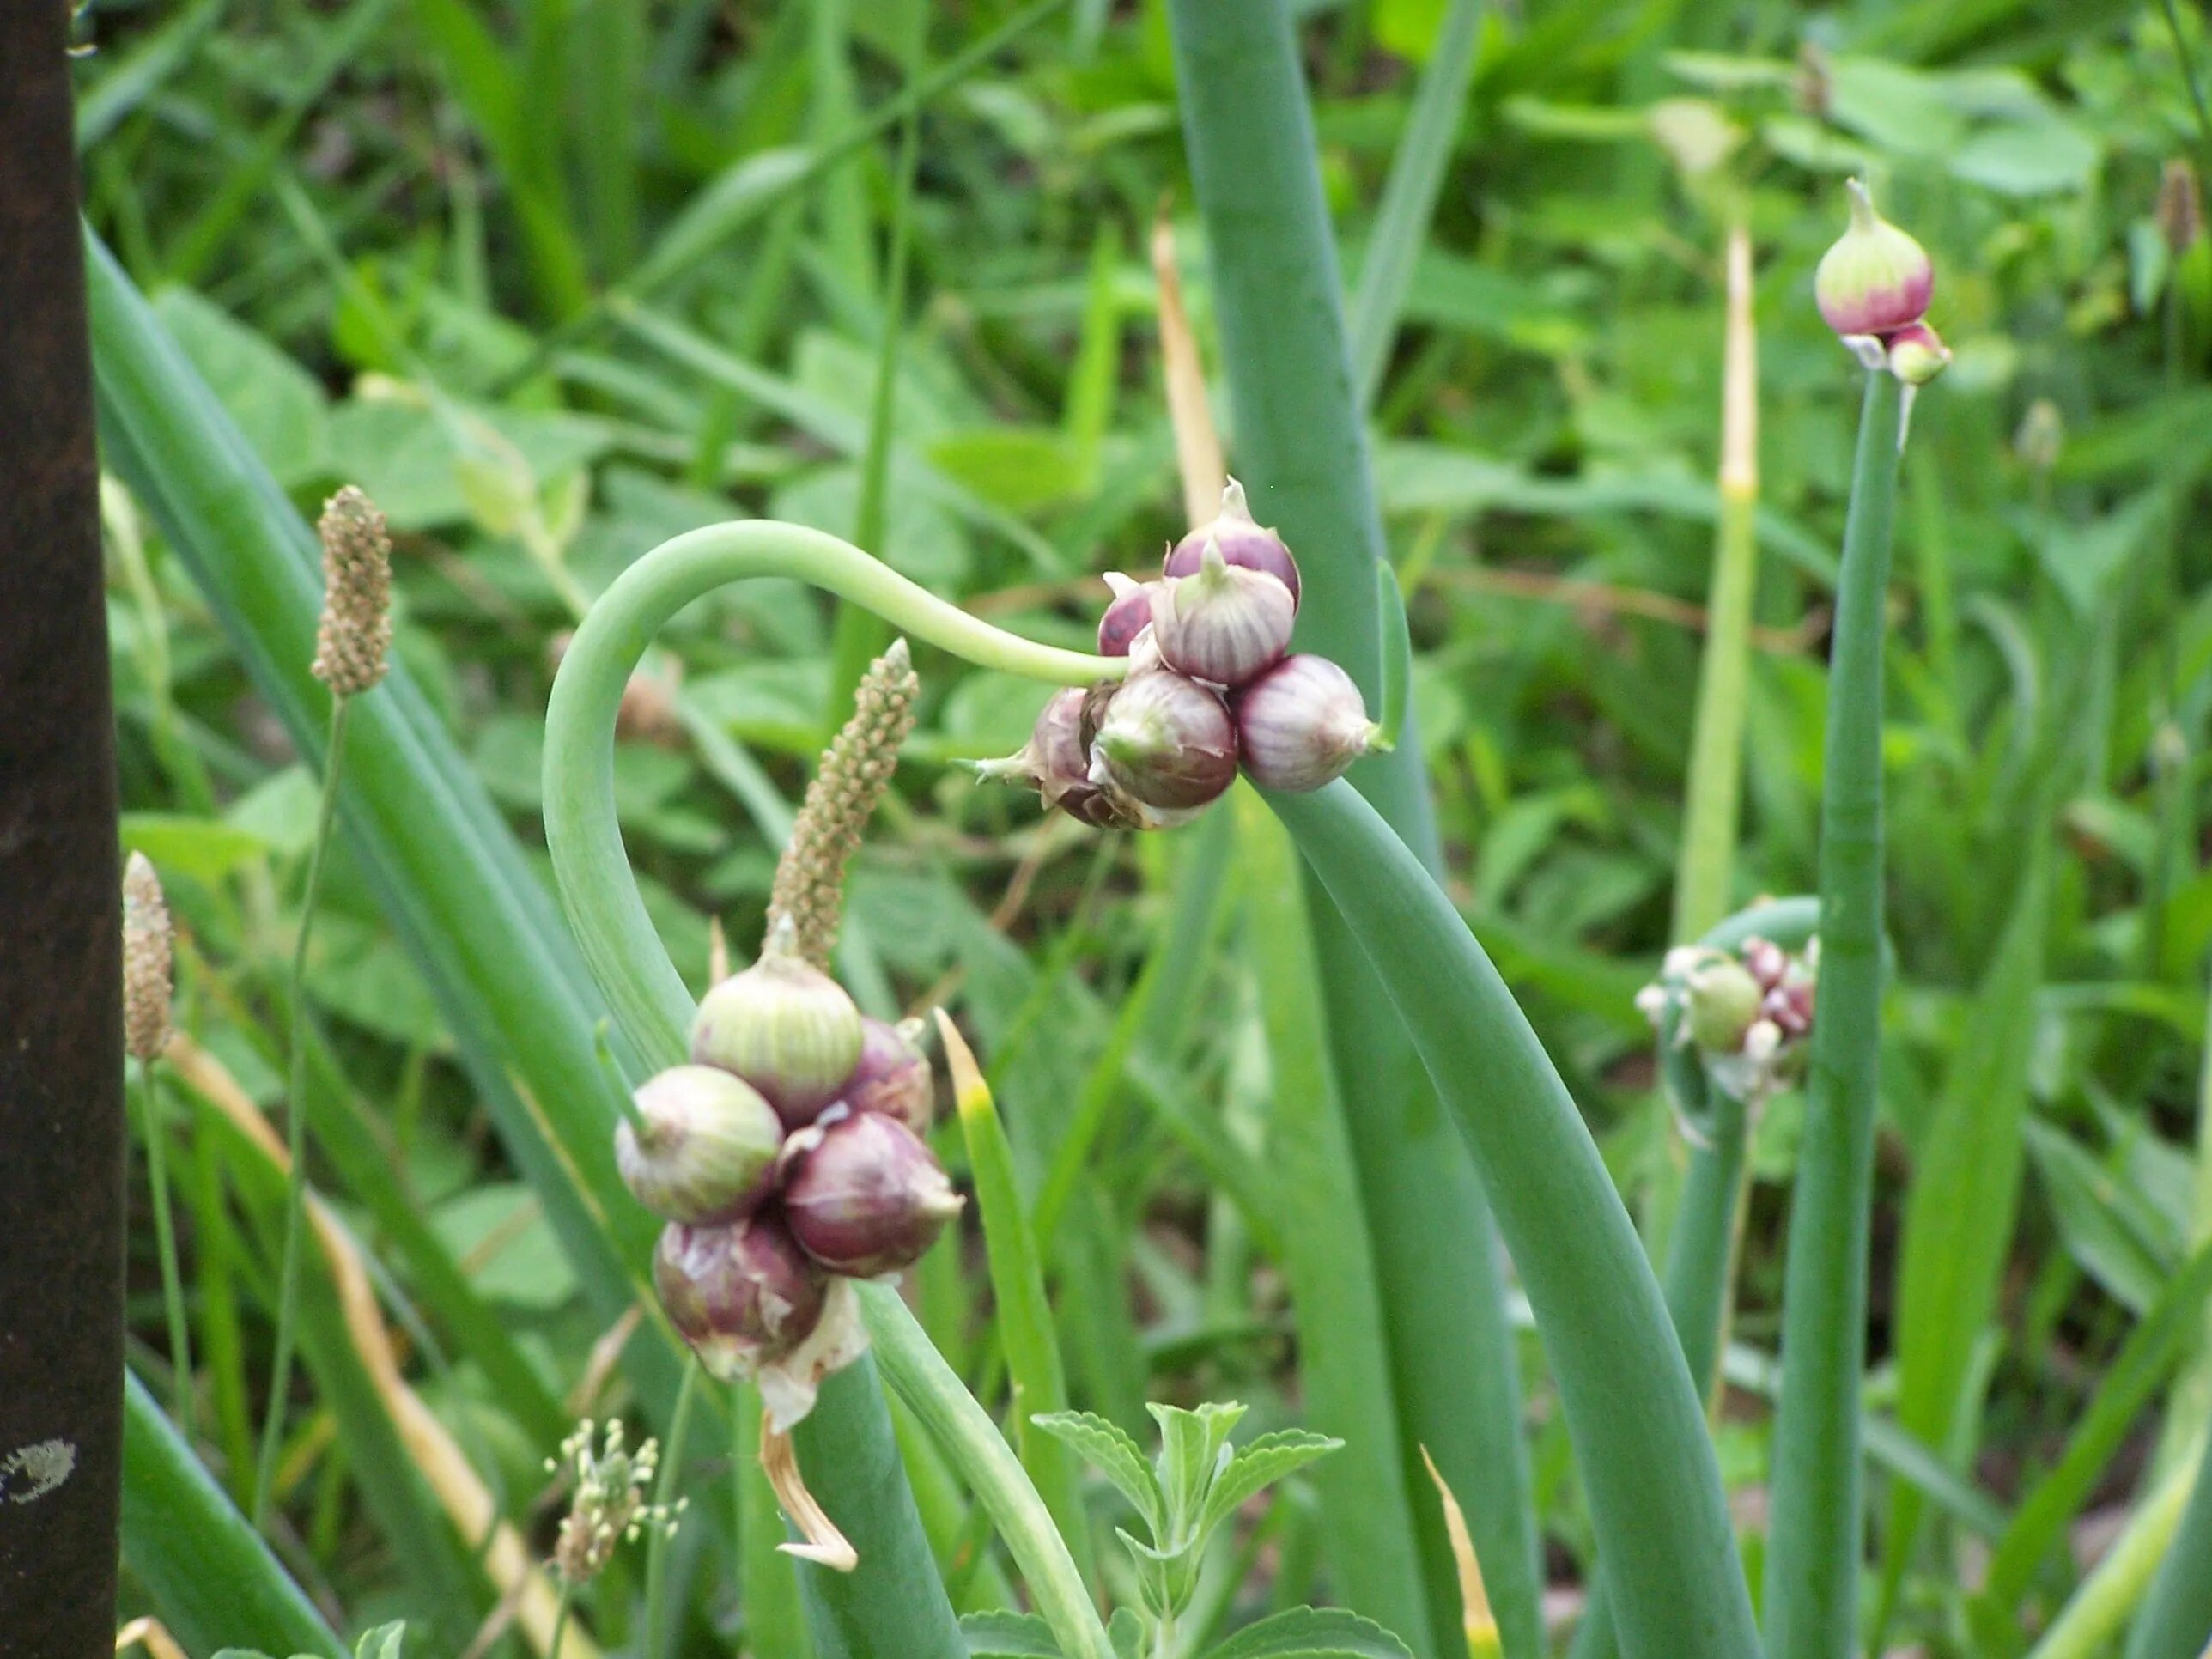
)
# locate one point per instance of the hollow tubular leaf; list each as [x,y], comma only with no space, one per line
[212,1579]
[1635,1417]
[1300,447]
[1813,1556]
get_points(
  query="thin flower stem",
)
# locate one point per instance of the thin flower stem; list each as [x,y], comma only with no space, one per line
[1812,1559]
[560,1622]
[658,1611]
[296,1189]
[165,1241]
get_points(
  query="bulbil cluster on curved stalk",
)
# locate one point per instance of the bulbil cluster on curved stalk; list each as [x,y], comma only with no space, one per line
[1749,1013]
[1211,686]
[1873,288]
[788,1159]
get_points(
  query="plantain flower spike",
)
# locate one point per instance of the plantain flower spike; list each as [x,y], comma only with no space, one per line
[353,645]
[856,768]
[149,949]
[609,1506]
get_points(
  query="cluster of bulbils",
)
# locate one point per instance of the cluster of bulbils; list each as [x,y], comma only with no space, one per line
[1749,1013]
[1209,687]
[1873,287]
[787,1159]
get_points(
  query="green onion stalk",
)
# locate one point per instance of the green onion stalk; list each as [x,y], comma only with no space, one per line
[1813,1553]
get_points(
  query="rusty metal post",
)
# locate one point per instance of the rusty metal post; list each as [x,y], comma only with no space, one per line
[61,1037]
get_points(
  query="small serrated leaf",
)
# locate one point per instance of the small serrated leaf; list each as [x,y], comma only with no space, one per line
[1115,1454]
[1313,1633]
[1193,1446]
[1002,1635]
[1259,1466]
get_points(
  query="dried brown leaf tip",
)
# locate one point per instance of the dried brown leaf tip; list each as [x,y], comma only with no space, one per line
[856,769]
[354,643]
[148,947]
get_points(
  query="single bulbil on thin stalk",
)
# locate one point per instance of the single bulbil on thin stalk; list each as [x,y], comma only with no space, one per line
[1876,279]
[353,648]
[149,990]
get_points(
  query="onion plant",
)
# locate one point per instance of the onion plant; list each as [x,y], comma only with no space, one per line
[781,1134]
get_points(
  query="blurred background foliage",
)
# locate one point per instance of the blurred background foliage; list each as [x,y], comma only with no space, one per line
[555,279]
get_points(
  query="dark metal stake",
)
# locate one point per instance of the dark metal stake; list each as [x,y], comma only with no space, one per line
[61,1024]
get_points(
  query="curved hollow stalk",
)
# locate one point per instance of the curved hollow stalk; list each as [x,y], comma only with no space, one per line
[1812,1558]
[1708,1231]
[1635,1419]
[1655,1488]
[846,1444]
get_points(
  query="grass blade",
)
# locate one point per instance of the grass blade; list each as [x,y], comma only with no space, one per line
[2095,1613]
[1409,197]
[1301,450]
[2176,1620]
[1812,1558]
[1966,1193]
[973,1444]
[1026,1332]
[1655,1491]
[2144,1362]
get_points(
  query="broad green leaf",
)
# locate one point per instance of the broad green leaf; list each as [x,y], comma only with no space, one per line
[276,403]
[206,849]
[1115,1455]
[1312,1633]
